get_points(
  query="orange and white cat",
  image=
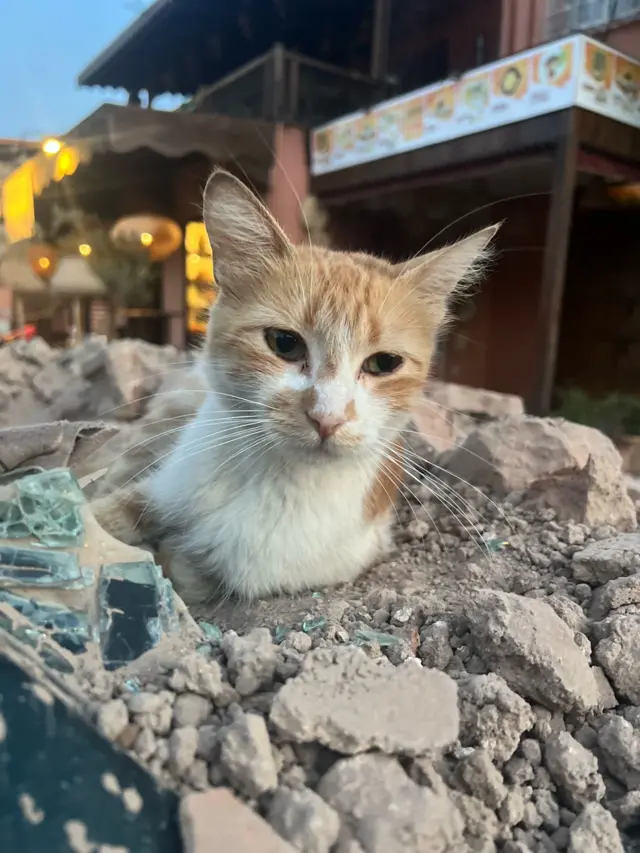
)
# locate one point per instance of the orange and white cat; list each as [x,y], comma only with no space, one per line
[285,479]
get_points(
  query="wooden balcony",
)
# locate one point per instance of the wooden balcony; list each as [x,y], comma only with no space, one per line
[282,86]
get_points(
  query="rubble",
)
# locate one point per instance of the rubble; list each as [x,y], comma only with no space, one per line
[93,380]
[477,692]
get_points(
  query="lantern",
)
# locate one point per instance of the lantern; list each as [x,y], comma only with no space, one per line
[625,193]
[156,235]
[43,259]
[199,259]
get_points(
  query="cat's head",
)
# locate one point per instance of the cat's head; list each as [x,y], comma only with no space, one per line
[326,351]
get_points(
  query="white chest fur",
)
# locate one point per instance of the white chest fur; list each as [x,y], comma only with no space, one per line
[255,523]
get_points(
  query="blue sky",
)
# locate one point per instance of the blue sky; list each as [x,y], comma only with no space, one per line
[45,45]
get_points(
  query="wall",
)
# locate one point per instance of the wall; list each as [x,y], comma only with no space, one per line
[523,25]
[600,332]
[414,36]
[625,38]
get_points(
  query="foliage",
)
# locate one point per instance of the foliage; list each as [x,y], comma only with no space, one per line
[131,279]
[615,415]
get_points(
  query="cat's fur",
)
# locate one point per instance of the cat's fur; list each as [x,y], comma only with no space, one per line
[251,500]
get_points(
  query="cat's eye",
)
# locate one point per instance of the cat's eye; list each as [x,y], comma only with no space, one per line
[285,344]
[381,364]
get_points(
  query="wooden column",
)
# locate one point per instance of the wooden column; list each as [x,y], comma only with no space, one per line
[380,39]
[554,267]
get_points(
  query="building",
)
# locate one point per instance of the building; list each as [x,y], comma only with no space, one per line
[426,119]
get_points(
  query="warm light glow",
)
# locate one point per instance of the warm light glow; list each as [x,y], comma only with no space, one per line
[84,249]
[51,146]
[146,239]
[44,263]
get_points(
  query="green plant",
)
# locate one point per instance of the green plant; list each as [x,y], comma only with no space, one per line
[615,415]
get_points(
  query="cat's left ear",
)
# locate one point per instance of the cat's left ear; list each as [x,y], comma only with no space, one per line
[246,240]
[442,274]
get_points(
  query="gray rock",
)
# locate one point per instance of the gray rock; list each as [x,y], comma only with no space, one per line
[182,749]
[247,757]
[145,744]
[350,703]
[435,650]
[388,813]
[574,770]
[608,559]
[482,779]
[145,703]
[112,718]
[620,747]
[626,810]
[595,831]
[251,660]
[304,819]
[617,593]
[204,677]
[528,644]
[619,654]
[492,716]
[190,709]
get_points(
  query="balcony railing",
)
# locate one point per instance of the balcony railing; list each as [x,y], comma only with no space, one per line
[572,16]
[284,86]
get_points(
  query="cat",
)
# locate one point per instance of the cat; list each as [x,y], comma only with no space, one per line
[286,477]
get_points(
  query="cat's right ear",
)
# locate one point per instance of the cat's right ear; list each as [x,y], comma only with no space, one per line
[246,240]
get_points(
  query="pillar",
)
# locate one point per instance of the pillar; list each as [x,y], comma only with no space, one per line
[173,299]
[555,263]
[289,180]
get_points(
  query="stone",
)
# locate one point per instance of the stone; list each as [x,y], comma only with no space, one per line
[251,660]
[492,716]
[574,770]
[626,810]
[618,653]
[183,743]
[435,650]
[620,748]
[595,831]
[246,755]
[350,703]
[474,401]
[525,641]
[573,469]
[190,709]
[304,819]
[197,674]
[483,779]
[608,559]
[113,718]
[216,820]
[615,594]
[145,744]
[386,812]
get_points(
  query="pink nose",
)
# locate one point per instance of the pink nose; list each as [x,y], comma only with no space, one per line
[325,425]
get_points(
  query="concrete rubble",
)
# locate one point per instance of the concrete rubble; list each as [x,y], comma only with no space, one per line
[477,692]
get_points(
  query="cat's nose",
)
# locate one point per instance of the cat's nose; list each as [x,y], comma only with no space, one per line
[325,425]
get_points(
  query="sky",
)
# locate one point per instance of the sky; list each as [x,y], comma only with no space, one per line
[45,45]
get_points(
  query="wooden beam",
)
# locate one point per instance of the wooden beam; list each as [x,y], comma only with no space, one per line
[380,39]
[555,264]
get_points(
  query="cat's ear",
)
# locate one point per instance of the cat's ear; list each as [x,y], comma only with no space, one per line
[442,274]
[246,240]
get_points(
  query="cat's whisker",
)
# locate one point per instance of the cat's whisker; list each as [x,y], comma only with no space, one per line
[444,499]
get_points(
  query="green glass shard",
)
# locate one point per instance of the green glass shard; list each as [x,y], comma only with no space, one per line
[316,595]
[310,625]
[494,545]
[69,628]
[55,660]
[211,632]
[31,567]
[365,635]
[46,508]
[143,571]
[279,633]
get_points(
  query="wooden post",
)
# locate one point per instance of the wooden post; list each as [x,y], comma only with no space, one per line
[555,263]
[380,39]
[18,308]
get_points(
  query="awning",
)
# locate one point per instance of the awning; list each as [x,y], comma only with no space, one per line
[113,129]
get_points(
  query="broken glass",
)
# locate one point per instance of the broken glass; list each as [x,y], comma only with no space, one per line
[365,635]
[310,625]
[46,507]
[31,567]
[136,607]
[69,628]
[211,632]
